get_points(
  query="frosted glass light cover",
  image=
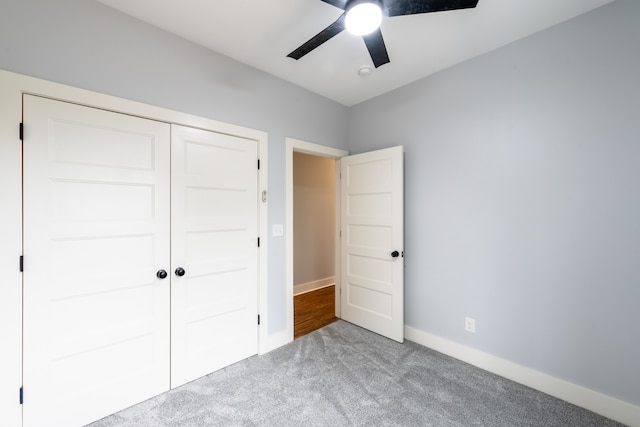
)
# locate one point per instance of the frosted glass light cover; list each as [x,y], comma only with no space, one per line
[363,18]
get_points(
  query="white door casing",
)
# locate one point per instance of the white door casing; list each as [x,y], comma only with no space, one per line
[372,241]
[96,230]
[214,240]
[12,87]
[296,145]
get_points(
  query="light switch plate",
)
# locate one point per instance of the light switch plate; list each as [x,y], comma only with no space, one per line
[278,230]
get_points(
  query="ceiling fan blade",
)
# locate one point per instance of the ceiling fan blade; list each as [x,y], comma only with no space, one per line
[340,4]
[411,7]
[376,47]
[332,30]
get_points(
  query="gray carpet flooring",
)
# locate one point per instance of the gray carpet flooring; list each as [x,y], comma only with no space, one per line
[343,375]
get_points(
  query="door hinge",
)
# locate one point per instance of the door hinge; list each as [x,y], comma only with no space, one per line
[21,263]
[21,132]
[258,164]
[258,319]
[21,396]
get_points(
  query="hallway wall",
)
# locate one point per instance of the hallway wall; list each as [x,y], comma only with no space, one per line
[314,210]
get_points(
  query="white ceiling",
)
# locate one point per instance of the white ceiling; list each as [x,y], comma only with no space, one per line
[261,33]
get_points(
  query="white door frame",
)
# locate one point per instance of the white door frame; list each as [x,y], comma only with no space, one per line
[316,150]
[12,86]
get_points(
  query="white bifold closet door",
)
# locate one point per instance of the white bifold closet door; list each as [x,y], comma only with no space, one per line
[96,230]
[102,329]
[214,240]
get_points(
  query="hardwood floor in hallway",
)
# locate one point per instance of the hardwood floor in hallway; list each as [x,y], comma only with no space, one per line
[313,310]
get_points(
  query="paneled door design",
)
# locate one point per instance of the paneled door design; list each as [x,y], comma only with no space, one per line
[214,252]
[372,241]
[141,258]
[96,232]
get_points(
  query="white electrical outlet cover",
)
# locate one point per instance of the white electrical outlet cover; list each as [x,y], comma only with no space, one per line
[470,325]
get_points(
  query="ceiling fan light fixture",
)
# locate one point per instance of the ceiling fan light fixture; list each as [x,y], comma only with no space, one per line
[363,17]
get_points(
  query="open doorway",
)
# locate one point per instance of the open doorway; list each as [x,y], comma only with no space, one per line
[314,232]
[369,249]
[312,235]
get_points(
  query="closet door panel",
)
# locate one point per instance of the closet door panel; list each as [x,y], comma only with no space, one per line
[214,240]
[96,230]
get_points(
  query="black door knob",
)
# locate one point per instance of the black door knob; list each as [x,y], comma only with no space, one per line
[395,254]
[180,271]
[161,274]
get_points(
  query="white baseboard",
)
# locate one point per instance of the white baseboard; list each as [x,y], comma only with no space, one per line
[599,403]
[312,286]
[275,341]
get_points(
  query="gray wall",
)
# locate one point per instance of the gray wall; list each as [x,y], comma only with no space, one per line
[85,44]
[523,198]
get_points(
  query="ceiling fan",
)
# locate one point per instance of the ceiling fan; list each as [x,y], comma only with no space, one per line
[372,35]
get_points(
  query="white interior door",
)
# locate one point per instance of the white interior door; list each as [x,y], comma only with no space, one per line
[96,230]
[372,241]
[215,241]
